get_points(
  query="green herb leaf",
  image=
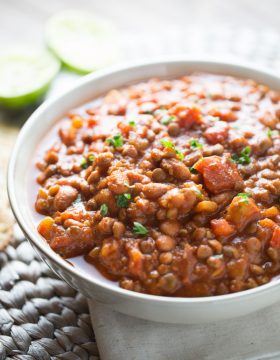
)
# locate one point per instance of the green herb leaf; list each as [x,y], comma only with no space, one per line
[84,164]
[115,141]
[193,170]
[271,133]
[104,209]
[123,200]
[244,196]
[179,154]
[244,157]
[91,158]
[167,119]
[195,144]
[132,123]
[169,145]
[235,157]
[139,229]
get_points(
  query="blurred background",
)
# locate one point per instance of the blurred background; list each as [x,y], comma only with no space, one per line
[24,19]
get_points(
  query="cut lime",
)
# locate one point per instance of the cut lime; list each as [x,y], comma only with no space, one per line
[81,41]
[25,75]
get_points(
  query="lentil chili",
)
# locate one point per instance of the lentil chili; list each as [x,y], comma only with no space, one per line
[170,187]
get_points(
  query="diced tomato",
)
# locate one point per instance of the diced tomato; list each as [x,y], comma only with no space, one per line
[110,256]
[242,211]
[45,227]
[125,128]
[217,133]
[110,249]
[92,121]
[135,262]
[73,242]
[222,228]
[267,223]
[219,174]
[187,116]
[271,212]
[224,114]
[63,245]
[275,240]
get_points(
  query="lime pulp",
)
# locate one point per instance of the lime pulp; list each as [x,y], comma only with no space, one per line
[25,75]
[83,42]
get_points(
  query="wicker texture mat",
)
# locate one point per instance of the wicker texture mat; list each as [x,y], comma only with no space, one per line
[41,317]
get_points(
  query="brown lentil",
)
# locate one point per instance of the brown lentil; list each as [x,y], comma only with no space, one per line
[166,189]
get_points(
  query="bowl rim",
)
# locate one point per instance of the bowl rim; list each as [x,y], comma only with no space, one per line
[49,253]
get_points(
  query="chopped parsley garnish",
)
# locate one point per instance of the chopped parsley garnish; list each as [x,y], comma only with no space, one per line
[169,145]
[235,158]
[84,164]
[123,200]
[245,197]
[132,123]
[139,229]
[271,133]
[167,119]
[115,141]
[244,157]
[195,144]
[193,170]
[91,158]
[104,209]
[179,154]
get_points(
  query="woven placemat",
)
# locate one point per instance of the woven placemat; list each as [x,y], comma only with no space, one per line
[41,317]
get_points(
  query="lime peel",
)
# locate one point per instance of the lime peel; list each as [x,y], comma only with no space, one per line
[82,42]
[25,75]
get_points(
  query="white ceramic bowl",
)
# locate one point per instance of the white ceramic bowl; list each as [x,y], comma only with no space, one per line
[157,308]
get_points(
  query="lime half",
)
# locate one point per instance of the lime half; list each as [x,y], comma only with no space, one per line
[83,42]
[25,75]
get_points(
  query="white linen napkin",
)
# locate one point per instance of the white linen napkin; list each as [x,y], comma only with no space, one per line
[120,337]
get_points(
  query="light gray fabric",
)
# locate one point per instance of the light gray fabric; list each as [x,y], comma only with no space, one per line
[254,337]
